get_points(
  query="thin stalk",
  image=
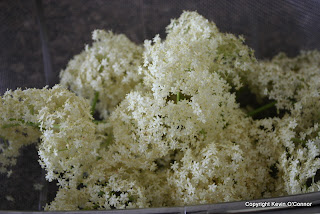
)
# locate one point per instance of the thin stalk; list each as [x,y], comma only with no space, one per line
[36,125]
[23,122]
[262,108]
[94,103]
[298,141]
[5,126]
[98,121]
[178,97]
[56,126]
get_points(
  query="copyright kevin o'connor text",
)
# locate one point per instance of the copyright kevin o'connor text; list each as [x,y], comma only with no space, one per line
[278,204]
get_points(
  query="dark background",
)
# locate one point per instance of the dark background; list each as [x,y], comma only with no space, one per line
[268,26]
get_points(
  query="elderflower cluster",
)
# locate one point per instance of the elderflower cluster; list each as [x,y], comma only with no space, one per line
[294,83]
[180,136]
[69,138]
[108,69]
[194,43]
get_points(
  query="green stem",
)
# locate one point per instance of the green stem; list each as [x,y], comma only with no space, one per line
[5,126]
[299,141]
[36,125]
[94,103]
[178,97]
[23,122]
[262,108]
[107,142]
[56,126]
[98,121]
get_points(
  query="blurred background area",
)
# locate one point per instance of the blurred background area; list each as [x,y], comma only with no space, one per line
[268,27]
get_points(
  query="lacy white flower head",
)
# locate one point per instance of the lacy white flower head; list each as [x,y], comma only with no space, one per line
[63,122]
[294,83]
[179,137]
[106,71]
[194,44]
[188,111]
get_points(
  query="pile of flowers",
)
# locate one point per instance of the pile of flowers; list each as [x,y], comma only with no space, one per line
[172,128]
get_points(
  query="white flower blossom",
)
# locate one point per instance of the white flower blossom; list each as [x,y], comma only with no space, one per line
[173,132]
[108,67]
